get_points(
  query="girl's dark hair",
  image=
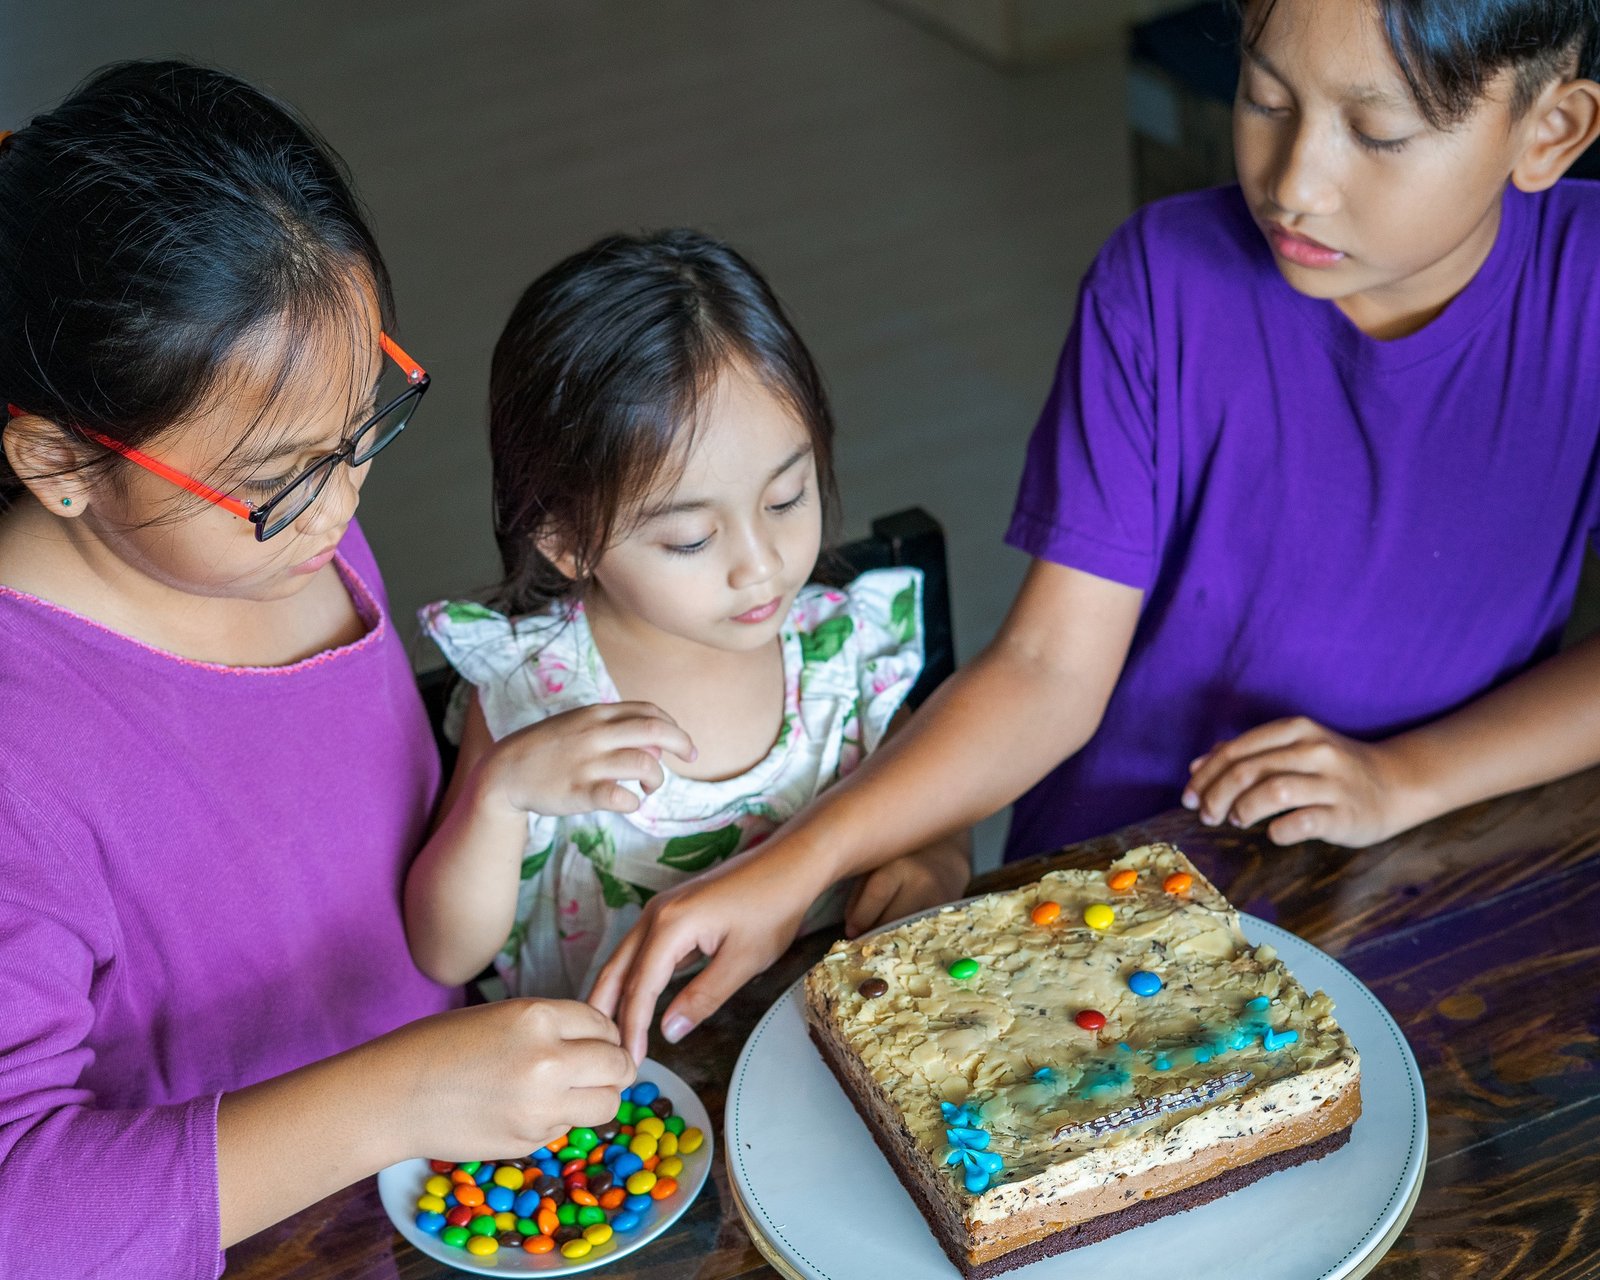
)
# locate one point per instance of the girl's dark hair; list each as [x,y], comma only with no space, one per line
[594,387]
[157,220]
[1450,50]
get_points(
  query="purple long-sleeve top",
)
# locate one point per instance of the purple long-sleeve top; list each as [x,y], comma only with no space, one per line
[200,878]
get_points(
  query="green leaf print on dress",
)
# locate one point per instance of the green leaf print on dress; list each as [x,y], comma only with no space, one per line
[903,614]
[701,850]
[597,845]
[826,641]
[533,864]
[466,611]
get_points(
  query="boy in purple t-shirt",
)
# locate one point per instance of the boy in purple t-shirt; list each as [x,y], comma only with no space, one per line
[1314,481]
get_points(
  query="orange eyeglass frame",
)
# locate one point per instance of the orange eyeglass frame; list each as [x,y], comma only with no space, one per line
[416,376]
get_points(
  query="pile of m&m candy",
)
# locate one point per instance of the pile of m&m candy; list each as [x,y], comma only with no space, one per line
[572,1195]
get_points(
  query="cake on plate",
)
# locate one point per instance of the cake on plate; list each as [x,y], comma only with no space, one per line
[1047,1066]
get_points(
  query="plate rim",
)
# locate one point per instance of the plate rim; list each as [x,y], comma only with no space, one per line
[1379,1236]
[462,1261]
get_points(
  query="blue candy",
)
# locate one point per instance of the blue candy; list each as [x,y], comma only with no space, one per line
[613,1151]
[499,1198]
[637,1204]
[644,1093]
[432,1223]
[543,1154]
[485,1172]
[625,1166]
[526,1203]
[1143,983]
[550,1168]
[627,1221]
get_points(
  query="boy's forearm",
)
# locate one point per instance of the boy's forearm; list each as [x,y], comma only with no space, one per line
[1540,726]
[977,744]
[460,894]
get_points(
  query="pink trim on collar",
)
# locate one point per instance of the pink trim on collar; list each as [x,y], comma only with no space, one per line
[361,596]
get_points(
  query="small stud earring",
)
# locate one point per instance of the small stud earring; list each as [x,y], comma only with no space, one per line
[66,502]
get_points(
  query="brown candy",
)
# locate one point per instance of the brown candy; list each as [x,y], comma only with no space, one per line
[872,988]
[661,1108]
[565,1233]
[510,1239]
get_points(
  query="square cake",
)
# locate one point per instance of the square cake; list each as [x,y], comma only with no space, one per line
[1050,1065]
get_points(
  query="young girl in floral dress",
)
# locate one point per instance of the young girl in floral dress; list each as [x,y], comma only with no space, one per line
[658,687]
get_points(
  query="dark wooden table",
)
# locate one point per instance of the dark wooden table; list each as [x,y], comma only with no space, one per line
[1480,932]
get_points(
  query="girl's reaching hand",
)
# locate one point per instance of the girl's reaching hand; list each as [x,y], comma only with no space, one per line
[501,1079]
[1319,784]
[912,882]
[575,762]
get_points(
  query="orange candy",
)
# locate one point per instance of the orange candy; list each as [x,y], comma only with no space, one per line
[1123,880]
[664,1187]
[1047,913]
[548,1222]
[1178,882]
[469,1194]
[461,1177]
[651,1162]
[579,1196]
[539,1244]
[613,1199]
[547,1204]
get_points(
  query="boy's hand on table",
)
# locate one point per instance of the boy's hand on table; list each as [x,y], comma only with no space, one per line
[913,882]
[1320,785]
[742,915]
[575,762]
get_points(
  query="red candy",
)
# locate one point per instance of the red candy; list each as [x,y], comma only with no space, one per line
[1091,1019]
[459,1216]
[574,1166]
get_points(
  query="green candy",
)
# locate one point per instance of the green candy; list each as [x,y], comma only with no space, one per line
[569,1153]
[585,1140]
[471,1166]
[456,1237]
[483,1226]
[964,968]
[625,1113]
[527,1226]
[589,1215]
[567,1212]
[675,1124]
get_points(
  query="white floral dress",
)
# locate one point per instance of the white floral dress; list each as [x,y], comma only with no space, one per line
[850,657]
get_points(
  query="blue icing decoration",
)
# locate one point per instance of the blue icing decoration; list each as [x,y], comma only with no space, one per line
[967,1143]
[963,1116]
[1274,1040]
[1258,1004]
[975,1139]
[1044,1073]
[1162,1063]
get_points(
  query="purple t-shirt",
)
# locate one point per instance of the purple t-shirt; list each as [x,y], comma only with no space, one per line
[1368,533]
[200,876]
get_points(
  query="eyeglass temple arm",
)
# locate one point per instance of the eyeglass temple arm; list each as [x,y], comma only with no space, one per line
[414,372]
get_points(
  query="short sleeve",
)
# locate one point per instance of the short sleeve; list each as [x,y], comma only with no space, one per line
[864,643]
[524,669]
[1087,498]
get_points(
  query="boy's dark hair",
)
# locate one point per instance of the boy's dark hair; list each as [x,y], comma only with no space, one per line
[1450,50]
[161,217]
[594,387]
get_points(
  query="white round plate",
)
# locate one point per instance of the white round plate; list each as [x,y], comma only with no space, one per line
[1329,1219]
[400,1184]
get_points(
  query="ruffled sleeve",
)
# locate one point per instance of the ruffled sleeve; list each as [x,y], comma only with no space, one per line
[524,669]
[863,642]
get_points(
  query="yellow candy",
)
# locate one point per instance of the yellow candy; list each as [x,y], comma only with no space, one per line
[671,1167]
[1099,916]
[483,1246]
[509,1178]
[653,1126]
[438,1185]
[666,1144]
[574,1249]
[505,1221]
[430,1204]
[597,1234]
[639,1184]
[644,1146]
[689,1140]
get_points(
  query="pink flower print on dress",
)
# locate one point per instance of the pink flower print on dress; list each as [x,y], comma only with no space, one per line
[551,673]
